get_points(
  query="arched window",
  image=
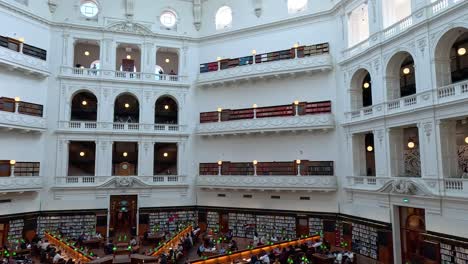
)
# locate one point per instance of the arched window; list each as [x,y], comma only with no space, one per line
[89,8]
[126,109]
[361,90]
[358,25]
[223,17]
[168,19]
[400,76]
[166,111]
[295,6]
[84,107]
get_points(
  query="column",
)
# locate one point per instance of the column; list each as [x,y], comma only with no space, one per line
[62,160]
[181,155]
[395,220]
[145,158]
[442,74]
[396,152]
[108,51]
[148,107]
[380,153]
[447,144]
[103,157]
[67,50]
[183,67]
[428,149]
[359,155]
[148,61]
[375,16]
[423,66]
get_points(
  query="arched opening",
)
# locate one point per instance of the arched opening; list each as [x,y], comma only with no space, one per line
[128,58]
[84,107]
[167,59]
[165,159]
[358,24]
[86,52]
[126,109]
[166,111]
[361,90]
[451,57]
[400,76]
[125,159]
[81,158]
[223,18]
[394,11]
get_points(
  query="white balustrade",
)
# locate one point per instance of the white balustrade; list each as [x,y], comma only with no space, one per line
[94,181]
[126,127]
[129,76]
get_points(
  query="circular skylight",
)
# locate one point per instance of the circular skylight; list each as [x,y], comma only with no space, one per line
[168,19]
[89,9]
[295,6]
[223,17]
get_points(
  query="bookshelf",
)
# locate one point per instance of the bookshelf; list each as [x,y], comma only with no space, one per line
[30,109]
[212,219]
[281,226]
[315,226]
[27,168]
[319,168]
[287,54]
[304,108]
[242,224]
[7,104]
[364,240]
[72,226]
[171,221]
[208,169]
[14,44]
[276,168]
[453,254]
[15,231]
[338,233]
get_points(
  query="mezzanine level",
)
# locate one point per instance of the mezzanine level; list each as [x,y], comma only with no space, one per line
[445,95]
[20,184]
[110,182]
[418,17]
[120,128]
[263,183]
[24,116]
[123,76]
[17,55]
[446,187]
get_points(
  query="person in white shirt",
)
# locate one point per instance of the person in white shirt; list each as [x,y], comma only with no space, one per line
[256,239]
[265,258]
[45,244]
[57,257]
[339,258]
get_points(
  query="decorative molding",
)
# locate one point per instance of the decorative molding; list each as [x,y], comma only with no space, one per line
[280,69]
[279,183]
[20,184]
[52,5]
[273,124]
[119,182]
[129,27]
[21,121]
[257,7]
[197,14]
[18,61]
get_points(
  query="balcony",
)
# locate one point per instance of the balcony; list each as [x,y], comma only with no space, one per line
[20,184]
[450,94]
[448,187]
[278,64]
[273,183]
[307,116]
[121,128]
[18,115]
[22,57]
[122,76]
[418,17]
[111,182]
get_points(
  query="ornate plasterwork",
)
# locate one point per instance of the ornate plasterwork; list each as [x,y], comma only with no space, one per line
[305,183]
[20,183]
[261,70]
[129,27]
[20,121]
[28,64]
[293,123]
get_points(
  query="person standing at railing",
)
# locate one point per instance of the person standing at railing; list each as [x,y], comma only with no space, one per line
[173,77]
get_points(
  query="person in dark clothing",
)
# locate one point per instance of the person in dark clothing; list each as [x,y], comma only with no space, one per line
[254,260]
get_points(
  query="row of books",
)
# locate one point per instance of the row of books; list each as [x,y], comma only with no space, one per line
[304,108]
[72,226]
[324,168]
[171,221]
[25,108]
[299,52]
[453,254]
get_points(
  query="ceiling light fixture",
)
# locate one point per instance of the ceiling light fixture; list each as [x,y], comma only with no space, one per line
[166,107]
[127,105]
[466,140]
[125,154]
[370,148]
[411,144]
[166,154]
[84,103]
[366,85]
[82,154]
[86,53]
[129,57]
[461,51]
[406,70]
[168,60]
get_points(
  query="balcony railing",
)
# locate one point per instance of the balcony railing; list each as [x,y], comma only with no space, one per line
[99,74]
[452,93]
[23,57]
[417,17]
[121,181]
[96,127]
[20,183]
[21,115]
[278,63]
[453,187]
[277,183]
